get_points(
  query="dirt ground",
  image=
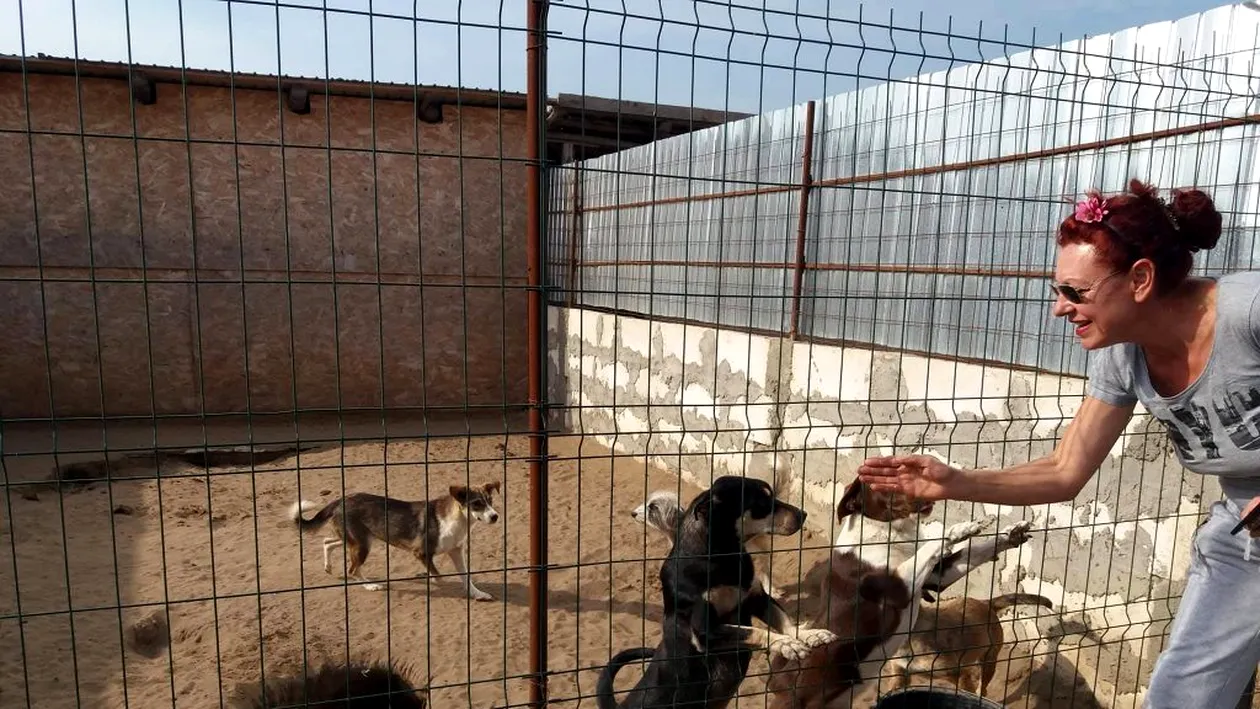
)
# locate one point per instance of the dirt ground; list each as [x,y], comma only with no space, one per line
[247,595]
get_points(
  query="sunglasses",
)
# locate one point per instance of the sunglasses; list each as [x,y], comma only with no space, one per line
[1074,294]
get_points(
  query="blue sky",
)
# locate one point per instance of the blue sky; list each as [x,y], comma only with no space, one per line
[595,50]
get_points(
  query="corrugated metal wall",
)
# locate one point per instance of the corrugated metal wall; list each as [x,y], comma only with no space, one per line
[935,198]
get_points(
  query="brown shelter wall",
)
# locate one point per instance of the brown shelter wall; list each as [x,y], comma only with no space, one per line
[228,255]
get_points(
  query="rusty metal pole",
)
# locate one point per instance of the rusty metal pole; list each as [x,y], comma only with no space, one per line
[802,219]
[575,237]
[536,322]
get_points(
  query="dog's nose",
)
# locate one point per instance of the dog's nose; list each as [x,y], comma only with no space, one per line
[494,518]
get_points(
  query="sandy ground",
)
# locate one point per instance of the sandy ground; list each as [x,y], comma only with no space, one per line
[247,595]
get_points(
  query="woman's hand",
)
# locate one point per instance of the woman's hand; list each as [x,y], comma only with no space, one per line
[1253,527]
[920,476]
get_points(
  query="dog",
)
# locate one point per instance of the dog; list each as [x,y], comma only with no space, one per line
[710,597]
[355,686]
[883,528]
[888,526]
[879,566]
[662,511]
[958,641]
[425,528]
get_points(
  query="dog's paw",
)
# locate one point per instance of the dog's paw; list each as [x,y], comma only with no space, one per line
[775,593]
[1016,534]
[373,587]
[790,648]
[963,531]
[816,637]
[479,595]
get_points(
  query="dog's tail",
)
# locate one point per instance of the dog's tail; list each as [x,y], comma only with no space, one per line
[1001,603]
[297,508]
[604,687]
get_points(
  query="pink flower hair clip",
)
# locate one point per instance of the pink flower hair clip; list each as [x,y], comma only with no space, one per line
[1091,209]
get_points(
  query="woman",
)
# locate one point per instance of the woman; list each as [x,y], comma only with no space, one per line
[1189,350]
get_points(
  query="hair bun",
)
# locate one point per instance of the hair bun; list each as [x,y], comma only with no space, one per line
[1197,219]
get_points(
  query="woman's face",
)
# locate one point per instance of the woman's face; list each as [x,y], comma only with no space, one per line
[1106,306]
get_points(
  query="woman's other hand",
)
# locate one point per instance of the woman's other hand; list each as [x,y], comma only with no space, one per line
[1253,527]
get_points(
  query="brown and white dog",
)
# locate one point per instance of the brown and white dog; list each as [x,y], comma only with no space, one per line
[880,564]
[425,528]
[958,640]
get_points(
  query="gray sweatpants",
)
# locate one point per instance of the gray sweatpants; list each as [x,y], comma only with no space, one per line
[1214,642]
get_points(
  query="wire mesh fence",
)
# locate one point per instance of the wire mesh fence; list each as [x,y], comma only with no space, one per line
[253,258]
[859,266]
[532,262]
[931,194]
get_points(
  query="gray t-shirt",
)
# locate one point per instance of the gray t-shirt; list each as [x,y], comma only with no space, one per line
[1215,422]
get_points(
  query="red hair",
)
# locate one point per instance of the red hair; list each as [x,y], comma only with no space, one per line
[1139,225]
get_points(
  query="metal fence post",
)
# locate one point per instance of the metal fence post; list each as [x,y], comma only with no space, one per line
[802,220]
[536,150]
[575,236]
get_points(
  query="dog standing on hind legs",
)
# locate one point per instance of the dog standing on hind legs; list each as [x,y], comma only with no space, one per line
[881,565]
[662,511]
[710,597]
[424,528]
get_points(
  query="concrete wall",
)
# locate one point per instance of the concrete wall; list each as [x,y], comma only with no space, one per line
[215,234]
[708,402]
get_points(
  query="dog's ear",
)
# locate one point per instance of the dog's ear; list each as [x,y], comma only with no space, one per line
[460,493]
[851,502]
[491,488]
[770,491]
[702,506]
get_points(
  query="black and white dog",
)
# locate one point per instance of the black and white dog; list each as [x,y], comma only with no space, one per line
[662,510]
[711,596]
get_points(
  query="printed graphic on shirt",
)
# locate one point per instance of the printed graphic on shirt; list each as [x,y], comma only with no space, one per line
[1191,421]
[1240,417]
[1190,427]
